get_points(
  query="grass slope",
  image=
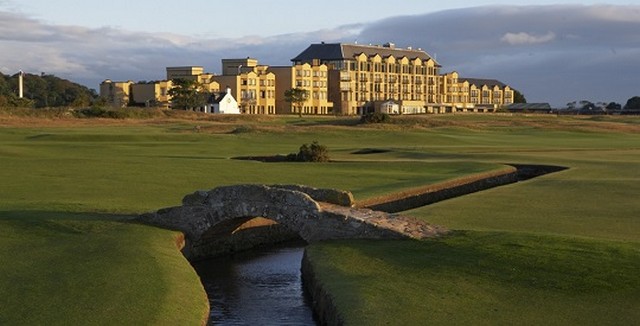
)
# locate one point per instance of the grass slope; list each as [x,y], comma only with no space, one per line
[66,189]
[67,184]
[482,278]
[94,272]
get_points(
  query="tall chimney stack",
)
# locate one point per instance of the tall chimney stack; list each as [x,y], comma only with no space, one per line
[20,84]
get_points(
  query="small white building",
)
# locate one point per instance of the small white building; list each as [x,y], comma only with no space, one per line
[222,103]
[390,107]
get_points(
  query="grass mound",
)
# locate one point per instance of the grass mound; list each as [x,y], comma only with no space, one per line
[94,272]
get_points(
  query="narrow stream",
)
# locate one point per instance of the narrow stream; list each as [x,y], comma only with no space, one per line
[257,287]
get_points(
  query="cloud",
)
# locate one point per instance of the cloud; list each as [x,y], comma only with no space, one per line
[90,55]
[554,54]
[526,38]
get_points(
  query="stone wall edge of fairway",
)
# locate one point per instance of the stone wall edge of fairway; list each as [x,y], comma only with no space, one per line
[430,194]
[324,309]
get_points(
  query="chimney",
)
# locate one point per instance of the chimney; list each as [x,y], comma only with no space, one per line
[228,90]
[20,84]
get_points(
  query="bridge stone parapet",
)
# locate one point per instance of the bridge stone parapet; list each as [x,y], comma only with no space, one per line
[313,214]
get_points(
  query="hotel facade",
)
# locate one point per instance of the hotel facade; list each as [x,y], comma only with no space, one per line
[340,79]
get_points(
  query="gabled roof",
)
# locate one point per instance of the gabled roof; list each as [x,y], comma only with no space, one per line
[481,82]
[339,51]
[217,97]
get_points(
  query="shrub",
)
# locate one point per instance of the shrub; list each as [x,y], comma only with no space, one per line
[311,153]
[375,117]
[124,113]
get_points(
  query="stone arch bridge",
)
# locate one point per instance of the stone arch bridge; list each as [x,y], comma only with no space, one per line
[312,214]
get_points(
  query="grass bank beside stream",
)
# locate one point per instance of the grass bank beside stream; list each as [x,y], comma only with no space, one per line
[69,185]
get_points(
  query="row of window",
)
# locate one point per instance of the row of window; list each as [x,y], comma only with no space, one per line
[251,94]
[308,83]
[393,68]
[260,109]
[263,82]
[309,73]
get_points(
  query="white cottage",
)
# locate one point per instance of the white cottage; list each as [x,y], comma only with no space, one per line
[390,107]
[222,103]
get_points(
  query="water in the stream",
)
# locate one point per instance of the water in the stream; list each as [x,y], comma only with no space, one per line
[257,287]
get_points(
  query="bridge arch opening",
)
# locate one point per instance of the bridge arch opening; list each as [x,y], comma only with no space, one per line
[242,233]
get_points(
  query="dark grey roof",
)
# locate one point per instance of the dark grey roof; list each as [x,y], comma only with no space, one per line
[217,97]
[482,81]
[339,51]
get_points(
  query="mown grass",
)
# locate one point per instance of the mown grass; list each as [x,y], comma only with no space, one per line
[67,191]
[94,272]
[482,278]
[68,185]
[560,249]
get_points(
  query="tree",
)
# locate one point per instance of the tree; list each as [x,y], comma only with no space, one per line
[187,94]
[633,104]
[613,106]
[45,90]
[518,97]
[247,101]
[297,97]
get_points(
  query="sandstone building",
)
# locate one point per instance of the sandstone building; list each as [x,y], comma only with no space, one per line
[313,79]
[340,79]
[252,84]
[361,75]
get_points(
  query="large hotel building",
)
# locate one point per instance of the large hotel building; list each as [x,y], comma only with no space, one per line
[341,79]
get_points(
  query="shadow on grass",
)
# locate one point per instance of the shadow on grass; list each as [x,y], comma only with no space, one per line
[45,222]
[59,215]
[302,122]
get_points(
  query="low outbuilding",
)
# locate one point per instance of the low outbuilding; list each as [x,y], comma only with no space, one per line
[222,103]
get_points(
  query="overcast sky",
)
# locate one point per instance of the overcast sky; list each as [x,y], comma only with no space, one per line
[549,51]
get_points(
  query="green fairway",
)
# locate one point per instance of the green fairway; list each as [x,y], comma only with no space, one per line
[65,191]
[68,189]
[482,278]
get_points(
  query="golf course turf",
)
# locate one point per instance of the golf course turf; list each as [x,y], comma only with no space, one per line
[557,249]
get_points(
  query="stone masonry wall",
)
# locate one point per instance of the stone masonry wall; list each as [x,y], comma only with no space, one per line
[438,192]
[214,211]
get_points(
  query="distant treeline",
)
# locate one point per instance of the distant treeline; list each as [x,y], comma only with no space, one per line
[44,90]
